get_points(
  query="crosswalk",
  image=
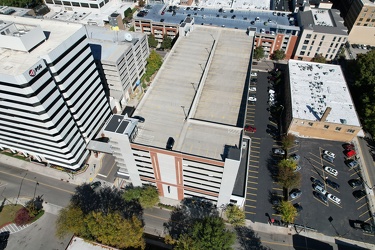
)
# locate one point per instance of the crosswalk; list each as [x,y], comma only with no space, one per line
[13,228]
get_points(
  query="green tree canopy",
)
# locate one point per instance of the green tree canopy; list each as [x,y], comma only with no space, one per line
[71,220]
[278,55]
[154,62]
[287,142]
[319,58]
[287,211]
[167,42]
[128,13]
[286,176]
[258,53]
[209,233]
[152,42]
[235,215]
[147,196]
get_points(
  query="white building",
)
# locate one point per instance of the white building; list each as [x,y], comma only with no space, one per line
[122,58]
[52,100]
[190,142]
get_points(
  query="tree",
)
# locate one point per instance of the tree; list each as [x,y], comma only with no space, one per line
[286,176]
[235,215]
[154,62]
[112,229]
[167,42]
[22,217]
[287,211]
[71,220]
[319,58]
[258,53]
[141,3]
[278,55]
[287,142]
[148,196]
[152,42]
[185,242]
[128,13]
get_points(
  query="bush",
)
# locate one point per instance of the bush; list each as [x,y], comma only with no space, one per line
[22,217]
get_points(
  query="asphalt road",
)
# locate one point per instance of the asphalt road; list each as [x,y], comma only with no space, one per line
[15,182]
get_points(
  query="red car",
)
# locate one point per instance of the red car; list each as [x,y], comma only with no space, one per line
[350,153]
[251,129]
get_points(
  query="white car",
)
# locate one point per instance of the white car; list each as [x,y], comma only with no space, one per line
[262,31]
[252,89]
[271,91]
[330,154]
[320,189]
[330,170]
[253,74]
[252,99]
[333,198]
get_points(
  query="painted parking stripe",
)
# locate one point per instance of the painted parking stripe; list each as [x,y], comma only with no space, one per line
[252,188]
[364,213]
[254,160]
[255,177]
[251,200]
[253,166]
[362,206]
[249,212]
[369,234]
[326,204]
[253,146]
[276,215]
[252,171]
[252,182]
[355,173]
[335,203]
[250,206]
[361,198]
[251,194]
[256,156]
[368,219]
[278,189]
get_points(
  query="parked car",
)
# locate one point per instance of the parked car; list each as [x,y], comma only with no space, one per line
[330,154]
[355,182]
[253,74]
[364,226]
[278,151]
[328,158]
[320,197]
[334,199]
[298,207]
[350,153]
[359,194]
[320,189]
[275,200]
[252,99]
[330,170]
[348,146]
[255,63]
[295,193]
[95,184]
[253,89]
[317,182]
[351,163]
[332,184]
[139,118]
[295,157]
[298,168]
[251,129]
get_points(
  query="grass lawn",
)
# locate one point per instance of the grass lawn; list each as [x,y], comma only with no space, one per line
[9,213]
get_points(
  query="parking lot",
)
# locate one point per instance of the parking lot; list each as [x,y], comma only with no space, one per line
[328,218]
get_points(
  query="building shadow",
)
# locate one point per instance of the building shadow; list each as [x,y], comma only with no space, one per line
[301,242]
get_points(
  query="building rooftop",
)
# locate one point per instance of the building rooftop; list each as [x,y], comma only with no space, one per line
[196,96]
[239,19]
[13,62]
[112,43]
[322,20]
[238,4]
[316,86]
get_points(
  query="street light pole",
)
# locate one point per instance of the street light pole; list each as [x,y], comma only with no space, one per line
[19,191]
[36,184]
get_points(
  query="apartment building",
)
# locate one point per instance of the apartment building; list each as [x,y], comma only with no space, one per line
[359,16]
[183,145]
[156,28]
[121,57]
[322,32]
[52,99]
[318,103]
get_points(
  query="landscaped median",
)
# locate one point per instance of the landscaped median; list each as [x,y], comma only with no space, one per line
[19,214]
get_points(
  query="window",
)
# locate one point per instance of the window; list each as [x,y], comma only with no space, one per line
[66,3]
[336,45]
[331,45]
[326,126]
[315,36]
[304,47]
[310,48]
[329,50]
[330,57]
[338,128]
[320,44]
[333,52]
[361,19]
[302,53]
[317,50]
[365,24]
[306,42]
[308,36]
[372,20]
[334,39]
[358,24]
[308,54]
[311,123]
[312,43]
[323,37]
[350,131]
[339,39]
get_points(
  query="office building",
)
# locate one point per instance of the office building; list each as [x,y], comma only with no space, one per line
[359,16]
[52,101]
[121,58]
[318,103]
[190,139]
[322,32]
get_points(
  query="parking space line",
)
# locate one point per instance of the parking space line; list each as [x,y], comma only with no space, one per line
[255,177]
[364,213]
[253,166]
[256,156]
[361,206]
[255,142]
[251,194]
[253,146]
[280,189]
[368,219]
[355,173]
[361,198]
[251,200]
[276,215]
[252,171]
[249,212]
[250,206]
[369,234]
[326,204]
[252,182]
[257,161]
[253,188]
[336,204]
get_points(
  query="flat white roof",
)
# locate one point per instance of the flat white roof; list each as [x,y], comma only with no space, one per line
[205,82]
[316,86]
[238,4]
[322,17]
[17,62]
